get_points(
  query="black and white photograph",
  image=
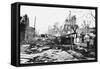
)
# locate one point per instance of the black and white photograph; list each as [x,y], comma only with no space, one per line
[52,34]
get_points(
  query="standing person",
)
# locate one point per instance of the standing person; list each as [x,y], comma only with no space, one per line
[87,37]
[82,35]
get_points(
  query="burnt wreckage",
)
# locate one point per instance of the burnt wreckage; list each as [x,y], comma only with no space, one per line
[69,46]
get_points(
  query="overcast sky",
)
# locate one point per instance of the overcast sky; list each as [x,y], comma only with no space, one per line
[47,16]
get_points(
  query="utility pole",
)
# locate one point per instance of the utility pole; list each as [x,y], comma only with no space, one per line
[34,25]
[34,21]
[69,14]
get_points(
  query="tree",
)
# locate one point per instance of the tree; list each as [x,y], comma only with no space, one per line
[54,30]
[74,28]
[85,27]
[71,26]
[92,16]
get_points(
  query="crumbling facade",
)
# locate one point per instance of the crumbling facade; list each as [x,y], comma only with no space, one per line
[27,33]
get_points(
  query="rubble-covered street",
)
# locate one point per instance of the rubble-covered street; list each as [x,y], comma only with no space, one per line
[51,55]
[48,54]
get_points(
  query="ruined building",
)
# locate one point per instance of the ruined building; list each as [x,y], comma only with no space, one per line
[27,33]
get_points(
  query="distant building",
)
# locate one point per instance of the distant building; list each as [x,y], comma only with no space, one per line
[69,22]
[85,31]
[29,34]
